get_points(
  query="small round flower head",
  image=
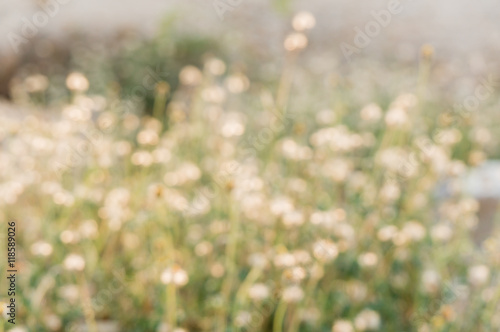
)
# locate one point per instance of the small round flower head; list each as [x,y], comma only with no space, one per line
[53,322]
[302,256]
[390,192]
[357,291]
[203,249]
[41,248]
[281,205]
[36,83]
[405,101]
[431,281]
[237,83]
[131,122]
[448,136]
[293,219]
[295,41]
[77,82]
[387,233]
[367,320]
[295,274]
[214,94]
[18,329]
[258,292]
[217,270]
[77,114]
[70,293]
[74,262]
[243,318]
[325,251]
[396,117]
[106,121]
[478,275]
[368,260]
[190,76]
[427,51]
[342,326]
[303,21]
[258,260]
[142,158]
[414,230]
[233,125]
[215,66]
[175,275]
[147,137]
[293,294]
[371,113]
[441,232]
[284,260]
[89,229]
[4,311]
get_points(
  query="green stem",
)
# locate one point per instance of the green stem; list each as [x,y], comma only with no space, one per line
[171,306]
[230,269]
[279,317]
[311,286]
[162,90]
[253,275]
[171,291]
[88,311]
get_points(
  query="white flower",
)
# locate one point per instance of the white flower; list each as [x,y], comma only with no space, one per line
[303,21]
[281,205]
[431,281]
[258,260]
[176,275]
[293,294]
[342,326]
[74,262]
[367,320]
[325,250]
[41,248]
[89,229]
[396,117]
[441,232]
[387,233]
[294,218]
[368,260]
[215,66]
[295,41]
[190,75]
[414,230]
[284,260]
[479,275]
[295,274]
[4,311]
[53,322]
[18,329]
[371,113]
[258,292]
[77,82]
[70,293]
[243,318]
[233,125]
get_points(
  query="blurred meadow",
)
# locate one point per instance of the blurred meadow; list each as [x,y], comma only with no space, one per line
[260,166]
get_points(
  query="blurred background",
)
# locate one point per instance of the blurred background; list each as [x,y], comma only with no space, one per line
[251,165]
[465,34]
